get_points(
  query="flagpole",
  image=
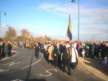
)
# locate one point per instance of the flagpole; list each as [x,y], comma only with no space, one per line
[78,9]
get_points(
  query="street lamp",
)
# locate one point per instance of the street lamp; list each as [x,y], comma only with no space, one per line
[4,13]
[78,20]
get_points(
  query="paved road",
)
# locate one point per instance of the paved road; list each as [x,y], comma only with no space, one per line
[23,66]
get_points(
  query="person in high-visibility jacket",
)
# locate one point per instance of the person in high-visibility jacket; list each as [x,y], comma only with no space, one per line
[50,53]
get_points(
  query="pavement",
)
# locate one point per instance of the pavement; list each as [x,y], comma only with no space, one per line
[96,68]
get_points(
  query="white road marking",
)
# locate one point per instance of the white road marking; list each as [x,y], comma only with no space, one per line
[27,66]
[5,58]
[7,63]
[48,73]
[17,80]
[3,70]
[12,63]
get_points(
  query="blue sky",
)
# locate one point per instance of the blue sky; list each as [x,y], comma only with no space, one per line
[50,17]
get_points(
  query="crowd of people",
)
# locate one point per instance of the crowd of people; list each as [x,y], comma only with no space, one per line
[95,50]
[5,49]
[63,55]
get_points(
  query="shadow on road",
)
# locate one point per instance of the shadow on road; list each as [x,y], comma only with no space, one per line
[29,69]
[35,80]
[98,65]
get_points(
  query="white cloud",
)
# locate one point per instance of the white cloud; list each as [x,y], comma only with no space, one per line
[88,16]
[94,31]
[59,8]
[93,14]
[102,1]
[97,14]
[92,20]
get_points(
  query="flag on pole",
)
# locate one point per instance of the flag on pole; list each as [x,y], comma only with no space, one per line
[72,1]
[69,33]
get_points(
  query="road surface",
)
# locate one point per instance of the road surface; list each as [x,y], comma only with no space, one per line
[23,66]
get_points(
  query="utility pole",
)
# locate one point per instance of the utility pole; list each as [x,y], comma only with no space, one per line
[4,13]
[78,20]
[0,18]
[78,9]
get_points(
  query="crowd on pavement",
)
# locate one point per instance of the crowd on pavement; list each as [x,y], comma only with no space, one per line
[95,50]
[6,48]
[65,54]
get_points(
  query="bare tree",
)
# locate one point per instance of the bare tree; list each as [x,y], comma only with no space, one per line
[25,34]
[11,33]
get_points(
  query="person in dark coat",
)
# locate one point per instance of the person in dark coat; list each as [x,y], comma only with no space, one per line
[63,57]
[3,49]
[1,43]
[60,55]
[36,51]
[56,54]
[69,51]
[9,48]
[103,49]
[92,50]
[97,48]
[87,50]
[6,49]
